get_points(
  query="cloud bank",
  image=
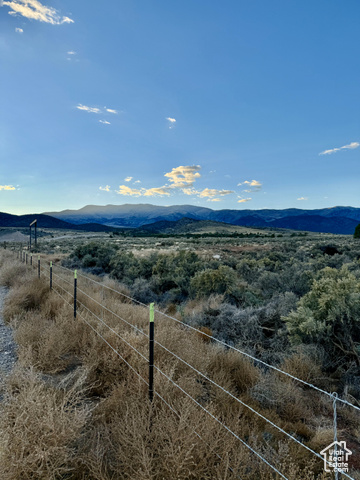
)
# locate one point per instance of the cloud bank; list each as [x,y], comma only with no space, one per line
[181,180]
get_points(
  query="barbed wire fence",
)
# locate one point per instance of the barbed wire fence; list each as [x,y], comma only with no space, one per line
[75,297]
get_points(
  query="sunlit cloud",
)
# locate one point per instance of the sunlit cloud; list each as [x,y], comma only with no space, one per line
[105,122]
[243,200]
[105,189]
[190,191]
[212,192]
[251,183]
[172,122]
[34,10]
[88,109]
[152,192]
[351,146]
[128,191]
[7,187]
[302,198]
[181,180]
[19,30]
[183,176]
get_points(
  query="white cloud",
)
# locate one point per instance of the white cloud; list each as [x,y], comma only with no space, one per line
[7,187]
[171,121]
[181,179]
[88,109]
[152,192]
[252,183]
[111,110]
[351,146]
[183,176]
[243,200]
[144,192]
[105,189]
[96,110]
[125,190]
[35,10]
[212,192]
[302,198]
[190,191]
[19,30]
[71,53]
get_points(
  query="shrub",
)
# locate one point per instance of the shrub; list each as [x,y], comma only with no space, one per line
[330,314]
[210,282]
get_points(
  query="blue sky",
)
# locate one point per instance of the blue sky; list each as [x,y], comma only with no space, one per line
[233,104]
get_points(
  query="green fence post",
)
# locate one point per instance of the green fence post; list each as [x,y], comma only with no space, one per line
[151,353]
[75,289]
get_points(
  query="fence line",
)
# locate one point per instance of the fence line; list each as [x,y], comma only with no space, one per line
[224,344]
[215,384]
[334,396]
[178,386]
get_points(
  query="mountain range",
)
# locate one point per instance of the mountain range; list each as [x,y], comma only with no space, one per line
[341,220]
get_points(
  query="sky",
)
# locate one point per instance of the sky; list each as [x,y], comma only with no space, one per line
[234,104]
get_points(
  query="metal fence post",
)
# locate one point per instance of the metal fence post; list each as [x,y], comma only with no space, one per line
[75,288]
[26,258]
[151,353]
[50,275]
[39,266]
[335,395]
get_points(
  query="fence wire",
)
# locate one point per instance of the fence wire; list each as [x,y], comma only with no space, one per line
[332,395]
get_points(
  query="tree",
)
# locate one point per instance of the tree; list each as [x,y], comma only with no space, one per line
[357,232]
[329,314]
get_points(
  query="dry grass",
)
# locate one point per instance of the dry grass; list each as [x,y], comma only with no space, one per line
[40,428]
[91,419]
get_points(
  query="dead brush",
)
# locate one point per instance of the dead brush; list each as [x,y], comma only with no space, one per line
[239,372]
[115,290]
[306,365]
[105,367]
[136,440]
[25,297]
[49,345]
[11,273]
[286,399]
[40,427]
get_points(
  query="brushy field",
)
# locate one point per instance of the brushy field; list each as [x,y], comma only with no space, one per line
[73,409]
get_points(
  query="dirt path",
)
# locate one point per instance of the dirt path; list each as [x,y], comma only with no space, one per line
[7,344]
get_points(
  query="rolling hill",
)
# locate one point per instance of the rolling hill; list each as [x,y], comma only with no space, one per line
[46,221]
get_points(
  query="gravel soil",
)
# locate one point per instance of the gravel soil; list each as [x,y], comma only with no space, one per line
[7,344]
